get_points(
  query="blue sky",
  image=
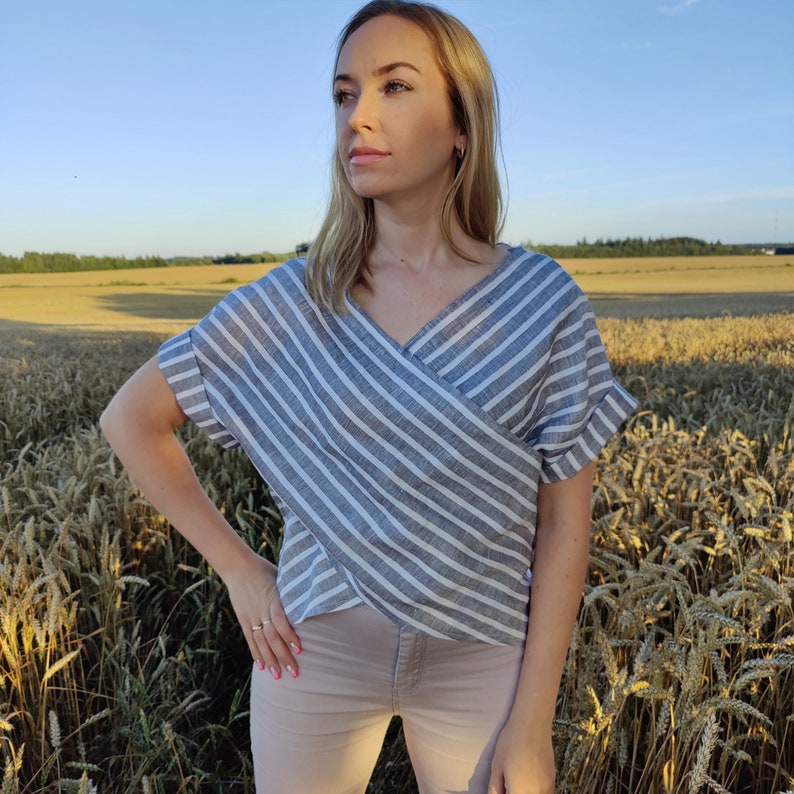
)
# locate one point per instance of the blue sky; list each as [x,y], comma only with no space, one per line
[200,127]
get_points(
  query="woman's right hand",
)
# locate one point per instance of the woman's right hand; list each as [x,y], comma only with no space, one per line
[271,639]
[139,423]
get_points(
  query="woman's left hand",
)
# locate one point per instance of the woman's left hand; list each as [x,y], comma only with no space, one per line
[522,763]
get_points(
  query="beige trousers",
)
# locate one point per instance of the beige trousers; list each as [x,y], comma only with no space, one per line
[321,733]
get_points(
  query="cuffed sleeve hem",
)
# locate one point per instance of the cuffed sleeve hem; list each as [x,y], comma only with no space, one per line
[179,365]
[611,411]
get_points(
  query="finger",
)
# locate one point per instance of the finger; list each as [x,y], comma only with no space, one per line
[250,631]
[284,627]
[264,637]
[277,642]
[274,631]
[283,640]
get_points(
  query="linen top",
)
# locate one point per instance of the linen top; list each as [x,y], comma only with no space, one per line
[406,476]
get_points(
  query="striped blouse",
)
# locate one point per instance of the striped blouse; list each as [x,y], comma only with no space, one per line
[406,476]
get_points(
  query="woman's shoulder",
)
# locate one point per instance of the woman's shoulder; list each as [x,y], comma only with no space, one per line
[288,272]
[287,279]
[549,297]
[279,290]
[529,254]
[525,259]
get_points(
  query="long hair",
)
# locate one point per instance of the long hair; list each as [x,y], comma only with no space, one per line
[337,258]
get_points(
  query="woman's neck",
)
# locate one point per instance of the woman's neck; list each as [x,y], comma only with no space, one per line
[417,243]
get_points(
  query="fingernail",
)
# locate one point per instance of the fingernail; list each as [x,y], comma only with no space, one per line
[275,672]
[296,649]
[292,671]
[260,664]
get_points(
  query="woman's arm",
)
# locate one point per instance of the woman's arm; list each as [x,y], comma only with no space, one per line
[139,423]
[524,758]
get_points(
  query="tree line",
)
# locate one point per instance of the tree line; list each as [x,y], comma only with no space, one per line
[35,262]
[248,259]
[639,246]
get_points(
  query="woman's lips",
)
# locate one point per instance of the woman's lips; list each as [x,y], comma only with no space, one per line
[363,155]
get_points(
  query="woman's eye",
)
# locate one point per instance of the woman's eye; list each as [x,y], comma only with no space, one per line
[341,96]
[396,87]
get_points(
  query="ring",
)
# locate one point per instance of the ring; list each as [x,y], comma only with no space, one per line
[261,625]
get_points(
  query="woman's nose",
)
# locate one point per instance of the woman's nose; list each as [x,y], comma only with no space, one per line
[363,114]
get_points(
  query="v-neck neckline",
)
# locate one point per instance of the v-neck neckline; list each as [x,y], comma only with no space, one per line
[364,318]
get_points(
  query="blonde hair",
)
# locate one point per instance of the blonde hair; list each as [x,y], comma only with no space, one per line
[337,259]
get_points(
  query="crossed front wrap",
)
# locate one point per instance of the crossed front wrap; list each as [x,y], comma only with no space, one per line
[397,489]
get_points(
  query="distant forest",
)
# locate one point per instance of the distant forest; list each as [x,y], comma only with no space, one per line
[33,262]
[638,246]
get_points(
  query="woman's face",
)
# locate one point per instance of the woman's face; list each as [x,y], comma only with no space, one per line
[395,133]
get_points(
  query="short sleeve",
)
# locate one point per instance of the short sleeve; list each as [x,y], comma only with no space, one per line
[180,365]
[580,405]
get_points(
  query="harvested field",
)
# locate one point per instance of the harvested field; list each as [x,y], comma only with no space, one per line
[169,299]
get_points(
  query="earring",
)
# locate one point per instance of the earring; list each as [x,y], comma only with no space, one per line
[461,151]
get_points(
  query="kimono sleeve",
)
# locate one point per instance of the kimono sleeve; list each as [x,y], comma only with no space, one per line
[180,364]
[580,405]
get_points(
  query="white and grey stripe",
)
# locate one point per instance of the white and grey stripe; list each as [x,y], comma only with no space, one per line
[406,476]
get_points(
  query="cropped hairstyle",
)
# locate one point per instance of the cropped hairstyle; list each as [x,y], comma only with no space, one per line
[337,258]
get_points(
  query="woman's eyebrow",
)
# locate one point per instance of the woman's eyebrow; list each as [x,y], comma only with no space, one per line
[380,71]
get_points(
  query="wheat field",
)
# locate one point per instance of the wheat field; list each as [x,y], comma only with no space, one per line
[121,670]
[169,299]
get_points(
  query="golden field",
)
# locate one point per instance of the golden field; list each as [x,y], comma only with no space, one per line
[167,299]
[756,264]
[120,667]
[147,299]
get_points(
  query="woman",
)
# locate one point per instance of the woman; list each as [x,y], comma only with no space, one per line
[425,405]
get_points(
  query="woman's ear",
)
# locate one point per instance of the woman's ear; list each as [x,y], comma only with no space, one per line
[461,144]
